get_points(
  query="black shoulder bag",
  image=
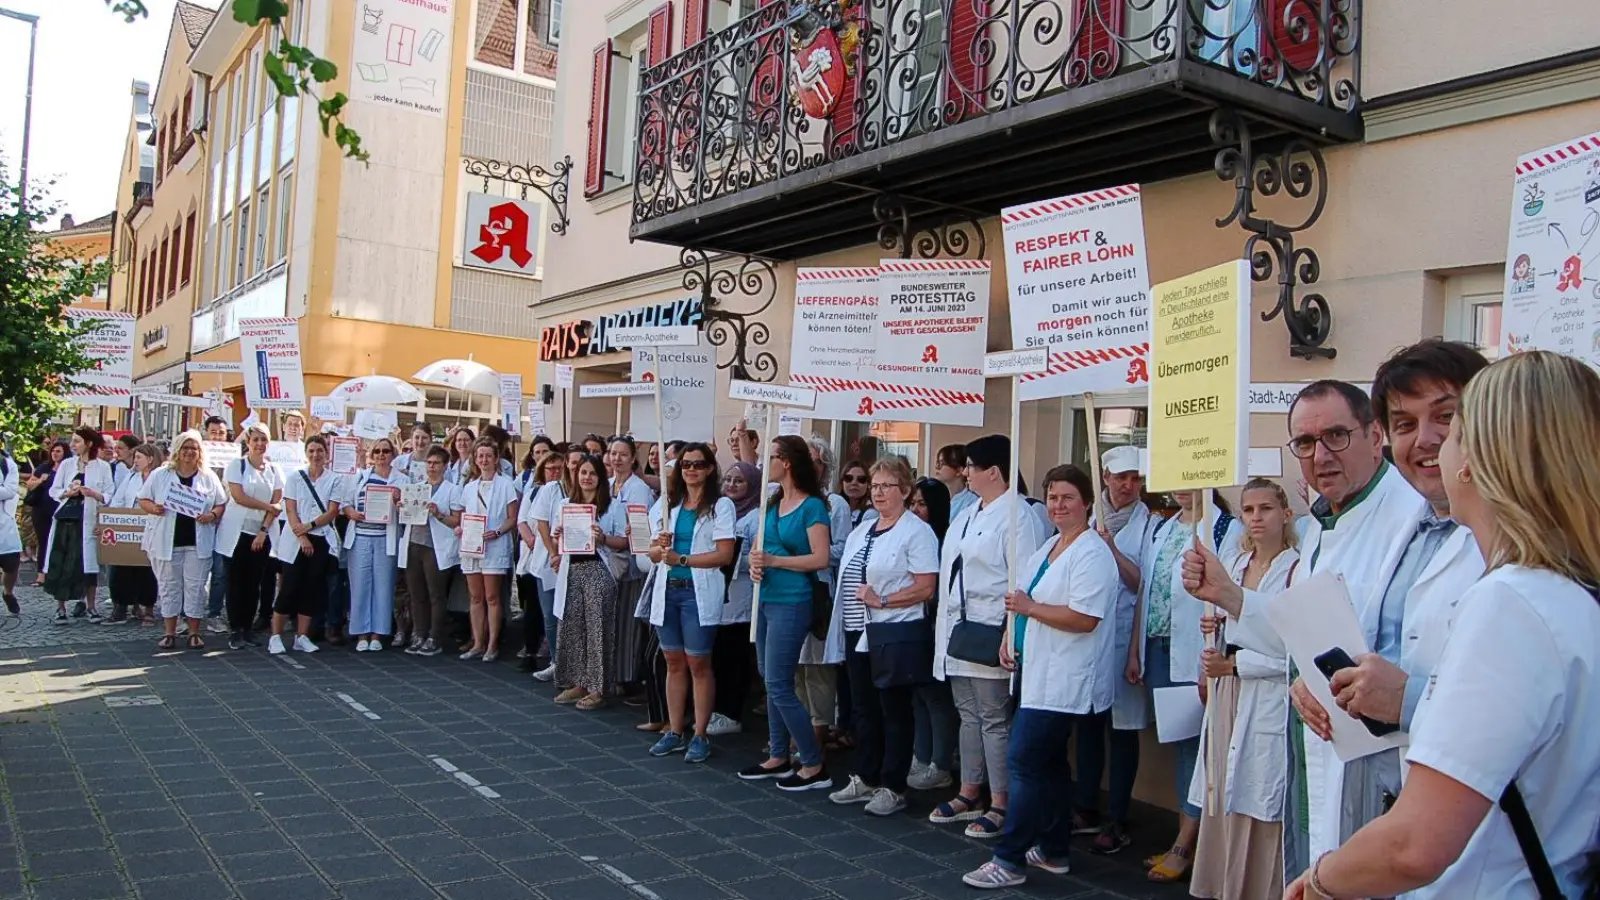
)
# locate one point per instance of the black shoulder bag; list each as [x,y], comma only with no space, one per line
[900,653]
[71,509]
[973,642]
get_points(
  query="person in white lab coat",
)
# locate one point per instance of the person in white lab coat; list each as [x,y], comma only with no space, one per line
[433,557]
[376,552]
[632,634]
[493,496]
[255,490]
[133,588]
[972,596]
[180,545]
[308,547]
[10,535]
[82,484]
[1510,714]
[1240,784]
[544,496]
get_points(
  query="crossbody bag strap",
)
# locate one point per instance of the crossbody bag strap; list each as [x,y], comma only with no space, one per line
[321,507]
[1516,810]
[961,573]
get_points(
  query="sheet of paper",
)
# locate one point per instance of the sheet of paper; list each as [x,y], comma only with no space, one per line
[1314,617]
[219,454]
[186,501]
[472,529]
[346,456]
[414,503]
[1179,712]
[638,528]
[379,508]
[577,524]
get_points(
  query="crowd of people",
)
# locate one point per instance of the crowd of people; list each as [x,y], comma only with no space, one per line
[959,636]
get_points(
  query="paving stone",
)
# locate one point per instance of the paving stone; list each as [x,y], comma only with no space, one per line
[401,888]
[151,866]
[302,887]
[261,866]
[455,867]
[101,886]
[503,888]
[205,886]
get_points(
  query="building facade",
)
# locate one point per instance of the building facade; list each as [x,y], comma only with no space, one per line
[1381,137]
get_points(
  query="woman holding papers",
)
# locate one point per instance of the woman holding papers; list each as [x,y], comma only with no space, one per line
[534,517]
[461,441]
[488,507]
[1068,680]
[1508,730]
[189,500]
[414,462]
[432,557]
[133,588]
[373,540]
[308,547]
[82,484]
[732,657]
[255,489]
[586,588]
[627,489]
[688,592]
[1240,853]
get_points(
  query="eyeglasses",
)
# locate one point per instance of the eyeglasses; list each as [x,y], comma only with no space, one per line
[1336,439]
[890,486]
[853,479]
[382,451]
[697,465]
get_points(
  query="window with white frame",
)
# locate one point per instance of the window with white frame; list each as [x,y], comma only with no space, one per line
[553,29]
[241,256]
[263,232]
[517,35]
[627,67]
[285,204]
[1472,310]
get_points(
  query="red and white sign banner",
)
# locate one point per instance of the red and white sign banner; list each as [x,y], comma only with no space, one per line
[109,381]
[269,351]
[835,337]
[1080,288]
[933,328]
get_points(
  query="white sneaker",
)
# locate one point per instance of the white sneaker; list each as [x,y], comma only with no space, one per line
[302,644]
[216,626]
[856,791]
[275,645]
[549,673]
[721,724]
[928,779]
[375,646]
[363,645]
[885,802]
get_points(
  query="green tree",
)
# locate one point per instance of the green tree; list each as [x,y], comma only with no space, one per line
[293,69]
[39,343]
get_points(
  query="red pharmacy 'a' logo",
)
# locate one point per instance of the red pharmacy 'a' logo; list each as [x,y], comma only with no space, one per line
[1571,274]
[1138,370]
[648,376]
[930,354]
[864,408]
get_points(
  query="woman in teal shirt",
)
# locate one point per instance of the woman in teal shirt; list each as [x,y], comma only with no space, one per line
[794,549]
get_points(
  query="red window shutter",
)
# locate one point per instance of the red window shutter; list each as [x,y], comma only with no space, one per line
[161,153]
[696,15]
[1279,40]
[188,250]
[188,106]
[594,178]
[658,44]
[1097,48]
[965,81]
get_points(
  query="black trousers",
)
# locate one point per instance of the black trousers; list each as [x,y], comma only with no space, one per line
[532,617]
[305,584]
[245,572]
[655,680]
[885,722]
[733,664]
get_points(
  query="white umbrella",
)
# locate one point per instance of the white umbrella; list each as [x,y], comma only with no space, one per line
[376,390]
[461,374]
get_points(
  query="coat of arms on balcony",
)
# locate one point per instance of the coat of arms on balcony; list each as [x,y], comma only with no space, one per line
[823,38]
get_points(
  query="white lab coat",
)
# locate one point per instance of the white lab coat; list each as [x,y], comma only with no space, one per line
[97,477]
[1066,671]
[158,534]
[546,499]
[812,651]
[1183,666]
[10,537]
[294,488]
[606,554]
[446,544]
[741,591]
[1130,711]
[908,549]
[259,484]
[1364,547]
[979,536]
[710,589]
[392,544]
[1256,776]
[635,491]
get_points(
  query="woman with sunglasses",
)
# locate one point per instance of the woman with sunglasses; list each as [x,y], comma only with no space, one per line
[853,485]
[689,592]
[628,489]
[493,496]
[375,548]
[539,503]
[586,597]
[795,548]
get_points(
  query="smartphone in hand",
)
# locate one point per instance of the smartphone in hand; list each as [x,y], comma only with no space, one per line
[1336,659]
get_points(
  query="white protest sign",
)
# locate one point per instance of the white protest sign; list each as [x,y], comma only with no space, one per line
[772,394]
[1553,261]
[789,422]
[327,409]
[688,379]
[536,418]
[186,501]
[511,388]
[835,338]
[287,454]
[220,453]
[270,353]
[933,329]
[663,336]
[345,455]
[1080,288]
[373,424]
[109,379]
[563,376]
[511,416]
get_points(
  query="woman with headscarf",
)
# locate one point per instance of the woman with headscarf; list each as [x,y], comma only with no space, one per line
[732,661]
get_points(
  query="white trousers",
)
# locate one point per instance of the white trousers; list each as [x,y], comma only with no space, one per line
[181,584]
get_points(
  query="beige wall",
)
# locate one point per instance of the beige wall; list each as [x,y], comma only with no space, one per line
[1413,43]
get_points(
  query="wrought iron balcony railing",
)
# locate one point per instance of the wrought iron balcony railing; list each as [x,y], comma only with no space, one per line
[801,85]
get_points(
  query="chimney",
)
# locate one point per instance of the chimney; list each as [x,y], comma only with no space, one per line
[66,222]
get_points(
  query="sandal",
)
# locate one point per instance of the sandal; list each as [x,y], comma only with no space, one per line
[167,642]
[650,726]
[1162,873]
[591,702]
[196,642]
[959,808]
[989,825]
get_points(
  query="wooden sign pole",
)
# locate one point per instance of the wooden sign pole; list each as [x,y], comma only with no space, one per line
[1094,458]
[763,425]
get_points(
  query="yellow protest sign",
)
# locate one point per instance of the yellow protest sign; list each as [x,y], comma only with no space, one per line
[1199,379]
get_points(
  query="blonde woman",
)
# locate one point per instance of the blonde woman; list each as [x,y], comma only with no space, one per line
[1510,720]
[1240,849]
[373,548]
[180,545]
[493,496]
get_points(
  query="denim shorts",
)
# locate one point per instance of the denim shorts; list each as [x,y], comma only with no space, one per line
[680,629]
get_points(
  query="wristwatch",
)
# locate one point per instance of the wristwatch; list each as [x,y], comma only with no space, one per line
[683,560]
[883,602]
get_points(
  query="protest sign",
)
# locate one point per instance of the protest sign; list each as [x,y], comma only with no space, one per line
[220,454]
[269,350]
[345,455]
[109,380]
[933,328]
[327,409]
[1553,266]
[119,532]
[688,380]
[835,336]
[1079,286]
[373,424]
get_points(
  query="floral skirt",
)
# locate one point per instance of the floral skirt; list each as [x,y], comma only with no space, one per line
[588,628]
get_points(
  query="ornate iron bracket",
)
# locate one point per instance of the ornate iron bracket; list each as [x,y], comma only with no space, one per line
[751,279]
[948,231]
[552,183]
[1298,171]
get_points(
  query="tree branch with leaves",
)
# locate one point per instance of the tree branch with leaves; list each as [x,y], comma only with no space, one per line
[293,69]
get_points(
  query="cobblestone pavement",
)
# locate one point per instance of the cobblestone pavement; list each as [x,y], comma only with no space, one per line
[37,627]
[213,775]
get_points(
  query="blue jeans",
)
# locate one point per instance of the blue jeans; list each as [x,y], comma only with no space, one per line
[1157,674]
[936,725]
[781,630]
[372,576]
[1041,787]
[1092,763]
[680,629]
[218,593]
